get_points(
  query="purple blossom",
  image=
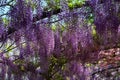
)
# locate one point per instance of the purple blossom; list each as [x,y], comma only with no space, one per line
[70,41]
[3,32]
[21,15]
[58,44]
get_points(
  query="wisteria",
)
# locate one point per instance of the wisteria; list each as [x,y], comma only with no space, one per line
[60,40]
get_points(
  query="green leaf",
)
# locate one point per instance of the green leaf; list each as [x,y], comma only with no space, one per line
[5,21]
[70,5]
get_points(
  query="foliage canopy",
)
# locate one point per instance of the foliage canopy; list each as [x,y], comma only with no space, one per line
[59,39]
